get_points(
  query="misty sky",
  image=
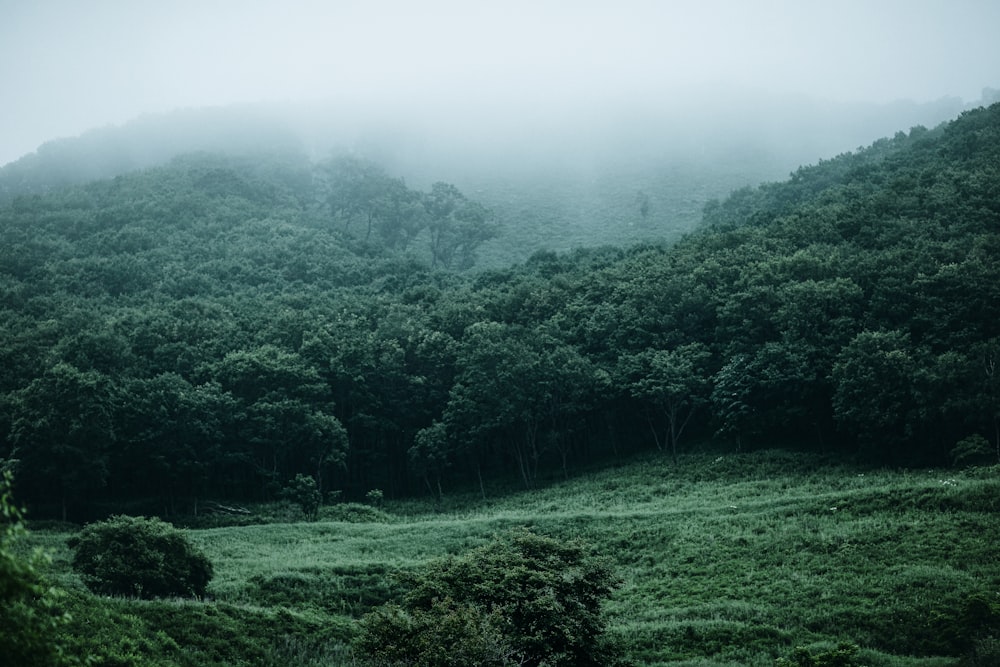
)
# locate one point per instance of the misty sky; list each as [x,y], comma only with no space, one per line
[70,65]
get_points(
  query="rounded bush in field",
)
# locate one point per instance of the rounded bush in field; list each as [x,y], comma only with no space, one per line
[139,557]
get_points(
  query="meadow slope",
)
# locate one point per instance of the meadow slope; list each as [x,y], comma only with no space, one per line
[729,559]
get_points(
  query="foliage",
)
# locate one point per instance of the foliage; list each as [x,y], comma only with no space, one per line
[57,449]
[30,612]
[140,557]
[446,634]
[845,655]
[973,450]
[304,493]
[675,383]
[523,598]
[218,327]
[374,497]
[227,324]
[985,653]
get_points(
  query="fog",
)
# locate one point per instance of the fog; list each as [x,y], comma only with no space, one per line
[488,70]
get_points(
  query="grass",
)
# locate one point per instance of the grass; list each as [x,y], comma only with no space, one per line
[731,560]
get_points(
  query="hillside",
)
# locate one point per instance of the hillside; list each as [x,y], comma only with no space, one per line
[780,430]
[732,559]
[229,323]
[618,173]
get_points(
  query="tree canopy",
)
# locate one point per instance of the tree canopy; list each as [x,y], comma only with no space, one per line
[218,326]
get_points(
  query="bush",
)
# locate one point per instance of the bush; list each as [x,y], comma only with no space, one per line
[30,617]
[845,655]
[523,599]
[304,492]
[139,557]
[985,653]
[448,634]
[375,497]
[972,451]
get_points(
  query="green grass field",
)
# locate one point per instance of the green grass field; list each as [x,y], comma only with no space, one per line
[724,560]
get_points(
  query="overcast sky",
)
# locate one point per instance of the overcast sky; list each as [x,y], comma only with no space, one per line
[70,65]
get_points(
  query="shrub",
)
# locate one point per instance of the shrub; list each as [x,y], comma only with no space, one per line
[973,450]
[845,655]
[525,599]
[139,557]
[304,492]
[375,497]
[985,653]
[29,615]
[449,634]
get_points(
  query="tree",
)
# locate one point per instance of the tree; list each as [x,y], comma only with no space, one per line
[429,455]
[514,383]
[401,216]
[783,386]
[304,492]
[991,388]
[174,435]
[285,413]
[29,611]
[874,381]
[674,384]
[731,396]
[572,387]
[642,201]
[62,428]
[380,365]
[973,450]
[141,557]
[355,188]
[457,226]
[529,599]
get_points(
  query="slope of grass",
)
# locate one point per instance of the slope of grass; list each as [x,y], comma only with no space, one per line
[731,560]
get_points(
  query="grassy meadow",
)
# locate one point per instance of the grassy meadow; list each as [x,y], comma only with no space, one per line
[724,560]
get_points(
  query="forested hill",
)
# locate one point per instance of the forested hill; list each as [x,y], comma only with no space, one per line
[620,172]
[216,326]
[147,141]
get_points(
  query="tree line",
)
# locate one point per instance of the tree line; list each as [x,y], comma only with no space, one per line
[218,326]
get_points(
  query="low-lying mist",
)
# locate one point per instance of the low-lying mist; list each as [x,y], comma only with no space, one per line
[587,169]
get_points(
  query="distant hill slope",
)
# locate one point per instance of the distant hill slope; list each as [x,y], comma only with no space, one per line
[557,179]
[147,141]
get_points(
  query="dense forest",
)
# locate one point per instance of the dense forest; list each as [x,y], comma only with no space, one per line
[213,327]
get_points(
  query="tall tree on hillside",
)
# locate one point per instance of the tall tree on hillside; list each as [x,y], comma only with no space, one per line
[990,356]
[521,389]
[359,190]
[492,400]
[174,434]
[457,226]
[875,378]
[673,384]
[62,429]
[429,455]
[285,412]
[731,398]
